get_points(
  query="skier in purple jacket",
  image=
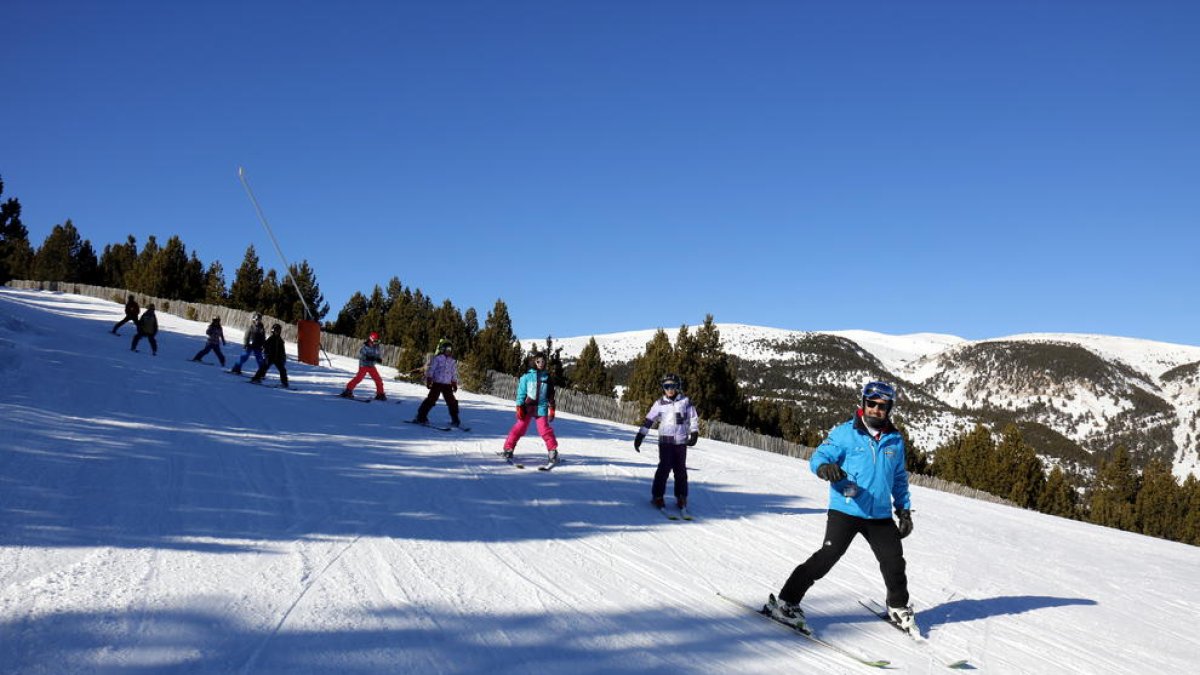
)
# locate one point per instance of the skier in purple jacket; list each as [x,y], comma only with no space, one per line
[678,428]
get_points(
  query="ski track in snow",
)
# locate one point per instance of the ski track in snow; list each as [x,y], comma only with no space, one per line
[160,516]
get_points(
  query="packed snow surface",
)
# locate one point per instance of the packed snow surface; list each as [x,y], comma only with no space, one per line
[158,515]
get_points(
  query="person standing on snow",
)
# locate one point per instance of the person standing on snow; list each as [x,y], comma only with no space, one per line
[678,428]
[441,379]
[275,352]
[216,338]
[863,460]
[252,344]
[368,356]
[131,314]
[147,327]
[535,400]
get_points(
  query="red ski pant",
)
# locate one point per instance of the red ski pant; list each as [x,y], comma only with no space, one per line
[518,430]
[363,371]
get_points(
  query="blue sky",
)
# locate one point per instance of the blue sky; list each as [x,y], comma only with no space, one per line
[980,169]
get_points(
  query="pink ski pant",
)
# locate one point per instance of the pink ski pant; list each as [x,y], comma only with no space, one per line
[518,430]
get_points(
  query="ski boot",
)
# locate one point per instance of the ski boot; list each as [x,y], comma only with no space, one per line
[380,397]
[786,613]
[905,619]
[346,393]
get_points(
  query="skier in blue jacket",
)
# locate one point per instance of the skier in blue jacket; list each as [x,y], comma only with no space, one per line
[863,460]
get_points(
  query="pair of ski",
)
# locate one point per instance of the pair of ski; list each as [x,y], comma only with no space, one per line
[960,664]
[360,400]
[431,425]
[682,515]
[513,462]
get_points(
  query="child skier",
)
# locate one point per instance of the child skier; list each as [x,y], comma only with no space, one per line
[535,400]
[275,353]
[131,314]
[678,428]
[441,379]
[368,356]
[147,327]
[216,338]
[252,344]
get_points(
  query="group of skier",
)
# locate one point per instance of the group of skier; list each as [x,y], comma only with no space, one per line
[146,325]
[862,459]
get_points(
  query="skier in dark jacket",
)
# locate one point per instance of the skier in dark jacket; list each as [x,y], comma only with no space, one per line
[863,460]
[252,344]
[147,327]
[275,352]
[131,314]
[216,338]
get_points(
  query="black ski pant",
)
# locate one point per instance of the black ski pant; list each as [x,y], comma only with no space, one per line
[279,365]
[671,458]
[840,530]
[137,338]
[124,321]
[439,389]
[216,349]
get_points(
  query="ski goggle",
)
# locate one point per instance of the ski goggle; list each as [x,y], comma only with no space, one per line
[668,386]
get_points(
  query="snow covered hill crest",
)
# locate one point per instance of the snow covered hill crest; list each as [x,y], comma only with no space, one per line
[1074,394]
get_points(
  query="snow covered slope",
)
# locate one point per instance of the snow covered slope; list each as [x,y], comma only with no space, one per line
[158,515]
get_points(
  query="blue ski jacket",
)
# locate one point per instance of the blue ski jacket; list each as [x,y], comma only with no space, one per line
[535,388]
[876,479]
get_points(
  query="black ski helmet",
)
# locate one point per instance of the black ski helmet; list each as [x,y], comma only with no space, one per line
[671,379]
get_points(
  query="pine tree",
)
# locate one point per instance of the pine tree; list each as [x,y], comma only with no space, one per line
[16,254]
[350,316]
[117,263]
[62,256]
[195,279]
[1058,498]
[214,285]
[1190,530]
[292,307]
[496,349]
[1114,492]
[1160,504]
[713,386]
[247,283]
[143,277]
[645,381]
[1021,476]
[589,374]
[170,270]
[959,460]
[377,308]
[270,295]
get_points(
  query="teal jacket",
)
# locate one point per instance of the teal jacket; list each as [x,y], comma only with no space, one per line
[876,480]
[535,388]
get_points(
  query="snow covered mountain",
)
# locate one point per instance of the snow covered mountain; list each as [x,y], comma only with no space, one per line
[1073,394]
[158,515]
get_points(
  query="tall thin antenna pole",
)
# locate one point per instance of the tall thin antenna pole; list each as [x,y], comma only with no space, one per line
[287,266]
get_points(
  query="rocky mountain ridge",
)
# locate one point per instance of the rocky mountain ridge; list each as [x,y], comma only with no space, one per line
[1075,396]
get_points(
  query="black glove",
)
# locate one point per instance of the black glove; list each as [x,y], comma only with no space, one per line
[692,438]
[637,442]
[905,524]
[830,472]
